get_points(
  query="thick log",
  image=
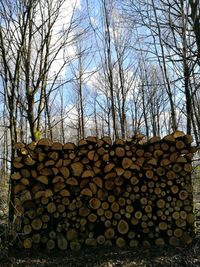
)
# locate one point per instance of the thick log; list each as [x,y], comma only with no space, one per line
[154,140]
[87,174]
[75,246]
[64,193]
[44,142]
[120,152]
[178,134]
[92,217]
[86,192]
[69,146]
[77,168]
[126,163]
[27,243]
[149,174]
[36,224]
[180,144]
[95,203]
[120,242]
[123,227]
[72,181]
[56,146]
[16,176]
[93,188]
[107,140]
[109,233]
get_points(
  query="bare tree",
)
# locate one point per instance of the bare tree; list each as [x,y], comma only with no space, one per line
[33,55]
[31,29]
[171,41]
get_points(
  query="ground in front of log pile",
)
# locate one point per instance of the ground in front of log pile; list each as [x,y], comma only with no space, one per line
[106,257]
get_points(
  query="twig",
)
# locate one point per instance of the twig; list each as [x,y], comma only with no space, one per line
[196,159]
[6,159]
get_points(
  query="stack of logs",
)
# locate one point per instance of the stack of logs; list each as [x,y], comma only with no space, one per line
[102,193]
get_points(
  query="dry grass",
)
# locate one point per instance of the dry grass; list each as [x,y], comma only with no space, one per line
[3,202]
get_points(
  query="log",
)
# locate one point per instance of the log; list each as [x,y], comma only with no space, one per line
[120,242]
[134,243]
[87,174]
[123,227]
[64,171]
[109,167]
[109,233]
[101,239]
[76,168]
[93,188]
[161,203]
[154,140]
[57,179]
[86,192]
[120,152]
[27,243]
[149,174]
[98,181]
[119,171]
[72,181]
[171,175]
[51,207]
[91,242]
[95,203]
[92,155]
[115,207]
[107,140]
[75,246]
[180,144]
[56,146]
[36,224]
[44,142]
[69,146]
[27,229]
[178,134]
[84,211]
[64,193]
[126,163]
[25,173]
[163,226]
[16,176]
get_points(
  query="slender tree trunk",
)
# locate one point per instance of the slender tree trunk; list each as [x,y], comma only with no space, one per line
[82,128]
[163,67]
[13,137]
[144,111]
[62,118]
[48,117]
[108,55]
[194,7]
[95,119]
[31,117]
[186,72]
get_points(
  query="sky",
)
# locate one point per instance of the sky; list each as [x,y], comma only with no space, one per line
[92,43]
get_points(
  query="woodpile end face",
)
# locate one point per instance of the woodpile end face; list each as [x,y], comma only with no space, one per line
[124,193]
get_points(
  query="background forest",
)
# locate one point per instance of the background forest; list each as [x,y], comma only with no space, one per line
[69,69]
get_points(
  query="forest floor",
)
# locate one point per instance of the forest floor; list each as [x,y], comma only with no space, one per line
[106,257]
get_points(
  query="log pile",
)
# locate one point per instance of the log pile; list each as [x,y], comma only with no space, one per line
[102,193]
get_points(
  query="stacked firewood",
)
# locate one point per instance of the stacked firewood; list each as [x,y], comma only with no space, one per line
[129,192]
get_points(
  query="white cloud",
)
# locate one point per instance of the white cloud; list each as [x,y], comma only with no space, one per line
[62,31]
[40,27]
[62,26]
